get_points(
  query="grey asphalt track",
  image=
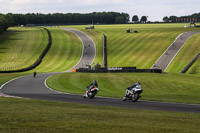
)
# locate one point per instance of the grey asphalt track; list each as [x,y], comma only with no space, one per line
[170,53]
[34,88]
[89,49]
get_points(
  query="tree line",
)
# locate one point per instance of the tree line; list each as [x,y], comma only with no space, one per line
[135,19]
[5,22]
[71,18]
[190,18]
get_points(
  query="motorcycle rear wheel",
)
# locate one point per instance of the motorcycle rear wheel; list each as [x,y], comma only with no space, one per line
[135,97]
[92,95]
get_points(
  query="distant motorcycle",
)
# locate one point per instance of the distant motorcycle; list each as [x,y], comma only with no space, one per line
[91,92]
[133,93]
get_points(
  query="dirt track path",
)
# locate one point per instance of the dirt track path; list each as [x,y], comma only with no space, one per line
[167,57]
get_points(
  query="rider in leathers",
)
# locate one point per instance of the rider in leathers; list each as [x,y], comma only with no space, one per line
[132,87]
[92,85]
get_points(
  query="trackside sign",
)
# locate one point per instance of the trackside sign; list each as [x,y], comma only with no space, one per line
[114,68]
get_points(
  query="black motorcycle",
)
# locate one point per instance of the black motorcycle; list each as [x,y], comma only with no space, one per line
[91,92]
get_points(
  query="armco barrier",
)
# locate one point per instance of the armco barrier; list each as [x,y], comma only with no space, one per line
[39,60]
[119,70]
[190,64]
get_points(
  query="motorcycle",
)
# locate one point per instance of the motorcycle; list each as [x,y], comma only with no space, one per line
[91,92]
[133,93]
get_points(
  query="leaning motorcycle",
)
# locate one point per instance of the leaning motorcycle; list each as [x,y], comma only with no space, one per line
[91,92]
[133,93]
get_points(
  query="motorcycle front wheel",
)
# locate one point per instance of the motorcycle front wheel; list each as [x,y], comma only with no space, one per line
[124,99]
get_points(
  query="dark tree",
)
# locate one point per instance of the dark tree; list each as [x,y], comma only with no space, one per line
[172,19]
[119,20]
[5,22]
[135,19]
[166,19]
[143,19]
[71,18]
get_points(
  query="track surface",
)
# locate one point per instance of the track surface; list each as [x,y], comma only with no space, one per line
[34,88]
[164,61]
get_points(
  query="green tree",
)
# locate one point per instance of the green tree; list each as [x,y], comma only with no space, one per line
[135,19]
[143,19]
[119,20]
[172,19]
[166,19]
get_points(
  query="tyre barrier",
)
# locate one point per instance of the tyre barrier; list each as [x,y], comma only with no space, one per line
[39,60]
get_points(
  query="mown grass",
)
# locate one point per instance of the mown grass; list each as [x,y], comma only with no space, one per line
[19,115]
[135,49]
[22,48]
[65,52]
[186,54]
[157,87]
[25,45]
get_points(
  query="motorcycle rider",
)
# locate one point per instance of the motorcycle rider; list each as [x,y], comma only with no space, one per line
[135,85]
[132,87]
[92,85]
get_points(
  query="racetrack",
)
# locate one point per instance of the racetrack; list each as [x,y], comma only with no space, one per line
[164,61]
[29,87]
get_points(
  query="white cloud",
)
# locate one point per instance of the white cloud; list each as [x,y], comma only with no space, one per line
[155,9]
[92,2]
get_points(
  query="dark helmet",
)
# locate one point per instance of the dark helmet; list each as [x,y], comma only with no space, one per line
[138,83]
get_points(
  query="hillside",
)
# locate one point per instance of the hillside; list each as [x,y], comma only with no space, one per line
[65,52]
[186,54]
[135,49]
[22,47]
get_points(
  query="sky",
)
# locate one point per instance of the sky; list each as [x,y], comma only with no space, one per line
[154,9]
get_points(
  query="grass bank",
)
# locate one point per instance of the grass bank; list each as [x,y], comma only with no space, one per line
[186,54]
[134,49]
[22,48]
[157,87]
[65,52]
[19,115]
[195,69]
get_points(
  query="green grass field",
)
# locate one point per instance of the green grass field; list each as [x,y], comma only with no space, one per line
[195,69]
[186,54]
[24,115]
[157,87]
[135,49]
[141,50]
[22,48]
[19,115]
[65,52]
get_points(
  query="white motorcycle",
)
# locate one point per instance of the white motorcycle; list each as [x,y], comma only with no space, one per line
[133,93]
